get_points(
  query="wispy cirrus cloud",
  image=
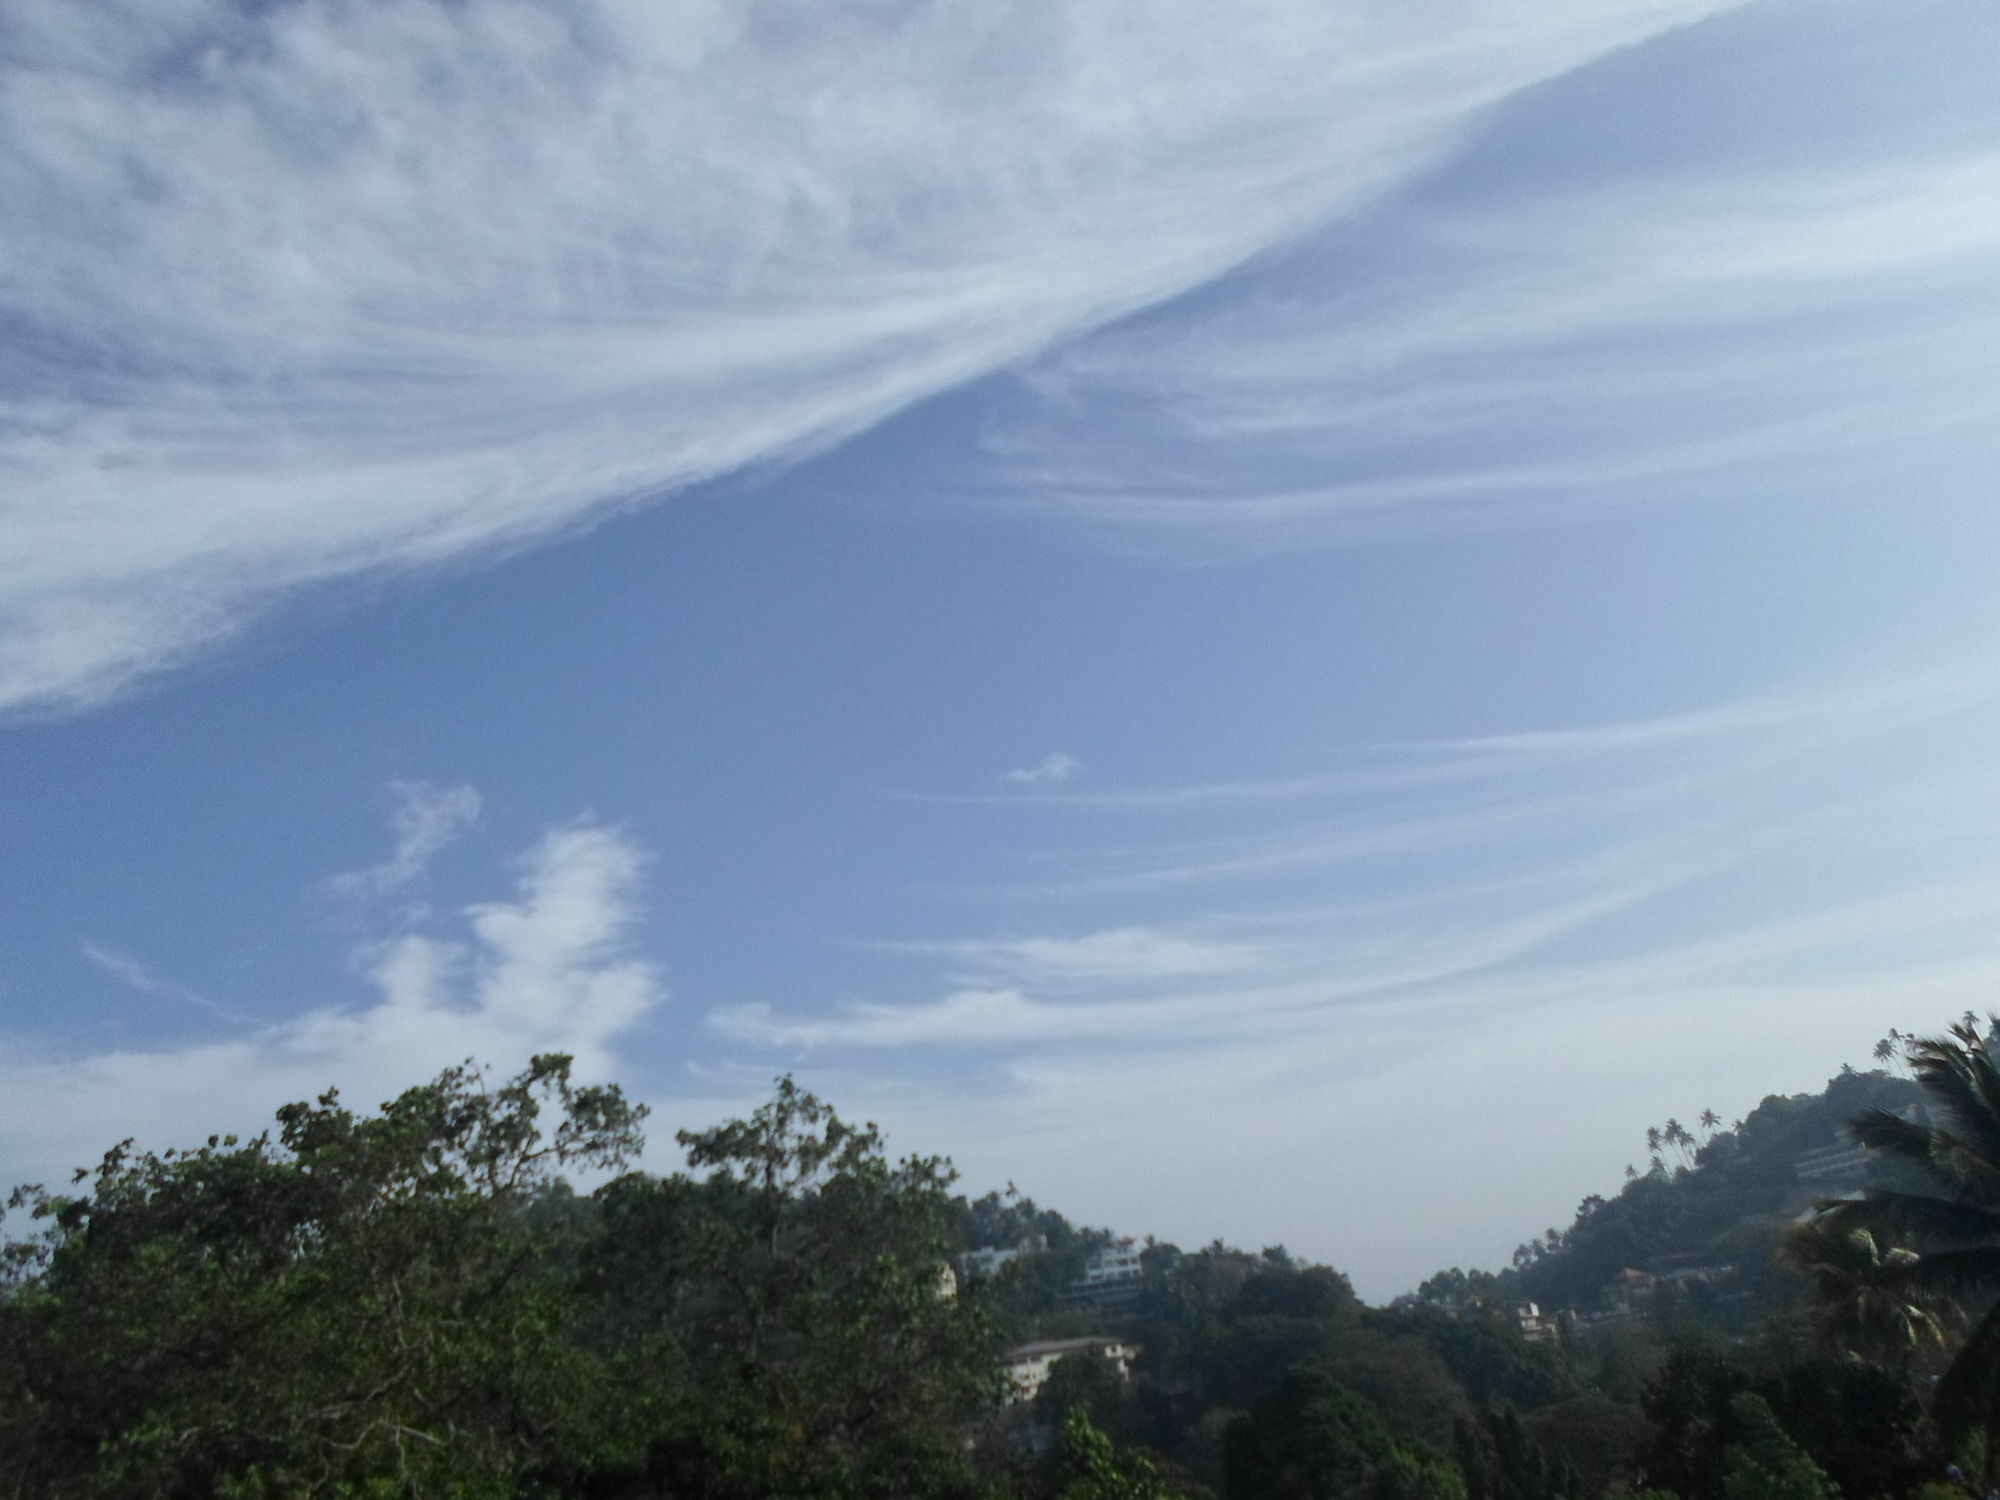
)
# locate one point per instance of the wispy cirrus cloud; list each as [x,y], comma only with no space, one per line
[1721,331]
[140,977]
[1282,989]
[1581,907]
[296,294]
[1111,955]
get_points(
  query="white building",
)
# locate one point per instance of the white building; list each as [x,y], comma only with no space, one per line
[1535,1328]
[1112,1265]
[1029,1364]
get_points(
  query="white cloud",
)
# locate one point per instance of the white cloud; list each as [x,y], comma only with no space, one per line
[964,1018]
[427,820]
[546,971]
[298,293]
[1052,769]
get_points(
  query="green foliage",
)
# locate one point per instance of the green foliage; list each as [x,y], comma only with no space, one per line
[1863,1299]
[1091,1386]
[1092,1468]
[1593,1435]
[1950,1213]
[793,1291]
[1860,1424]
[1485,1351]
[359,1301]
[1768,1465]
[1724,1202]
[1310,1438]
[1500,1461]
[413,1304]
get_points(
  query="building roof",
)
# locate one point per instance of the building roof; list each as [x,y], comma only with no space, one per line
[1043,1348]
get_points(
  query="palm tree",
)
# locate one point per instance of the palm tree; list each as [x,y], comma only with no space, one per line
[1860,1303]
[1677,1136]
[1956,1225]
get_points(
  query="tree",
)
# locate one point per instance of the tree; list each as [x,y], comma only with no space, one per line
[1861,1297]
[1500,1461]
[415,1303]
[361,1301]
[1092,1468]
[1311,1437]
[793,1292]
[1955,1225]
[1088,1383]
[1767,1464]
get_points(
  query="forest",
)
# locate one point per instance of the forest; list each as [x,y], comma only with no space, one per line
[419,1302]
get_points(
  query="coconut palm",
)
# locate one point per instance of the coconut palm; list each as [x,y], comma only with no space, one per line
[1955,1225]
[1860,1302]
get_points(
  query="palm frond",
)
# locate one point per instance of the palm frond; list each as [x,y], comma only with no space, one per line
[1895,1136]
[1943,1275]
[1897,1216]
[1962,1083]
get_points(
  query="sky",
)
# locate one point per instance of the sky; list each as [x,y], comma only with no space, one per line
[1285,626]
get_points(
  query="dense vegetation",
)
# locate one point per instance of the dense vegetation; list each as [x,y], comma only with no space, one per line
[417,1303]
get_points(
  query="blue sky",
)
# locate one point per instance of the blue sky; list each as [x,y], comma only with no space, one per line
[1287,630]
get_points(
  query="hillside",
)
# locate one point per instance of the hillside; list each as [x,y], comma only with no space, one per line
[1712,1198]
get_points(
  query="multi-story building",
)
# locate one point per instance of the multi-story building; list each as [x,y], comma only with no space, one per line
[1029,1364]
[1112,1275]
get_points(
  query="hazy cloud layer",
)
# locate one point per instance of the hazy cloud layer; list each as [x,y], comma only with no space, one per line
[296,293]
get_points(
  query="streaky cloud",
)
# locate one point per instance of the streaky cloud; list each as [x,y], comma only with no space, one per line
[306,293]
[140,977]
[1713,332]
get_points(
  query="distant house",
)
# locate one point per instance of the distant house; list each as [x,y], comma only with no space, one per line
[1842,1164]
[1028,1365]
[1112,1275]
[1535,1328]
